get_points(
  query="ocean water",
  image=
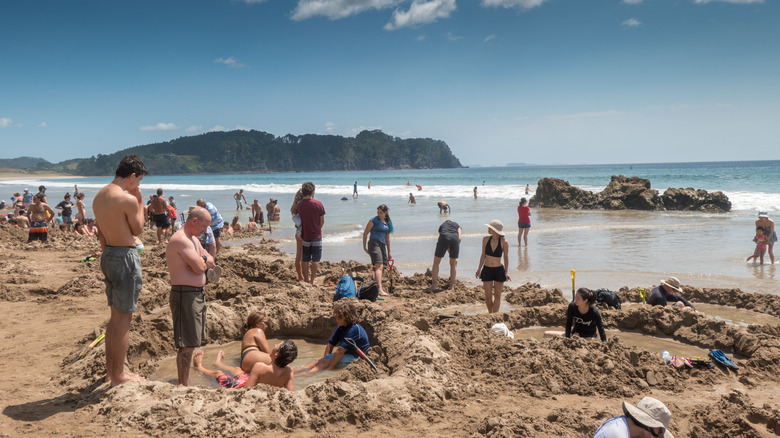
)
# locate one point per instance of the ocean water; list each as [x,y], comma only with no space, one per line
[606,248]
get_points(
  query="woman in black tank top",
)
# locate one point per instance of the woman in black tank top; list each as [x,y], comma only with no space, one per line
[490,270]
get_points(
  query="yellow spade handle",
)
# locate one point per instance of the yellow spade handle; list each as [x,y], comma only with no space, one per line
[573,274]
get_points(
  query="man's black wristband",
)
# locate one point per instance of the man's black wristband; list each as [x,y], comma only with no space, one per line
[205,259]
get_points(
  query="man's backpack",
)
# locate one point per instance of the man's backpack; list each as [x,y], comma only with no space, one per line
[369,291]
[608,298]
[345,288]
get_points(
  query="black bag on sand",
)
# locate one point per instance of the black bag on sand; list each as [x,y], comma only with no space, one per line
[370,291]
[607,297]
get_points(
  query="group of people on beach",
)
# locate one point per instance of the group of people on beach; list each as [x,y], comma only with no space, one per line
[33,213]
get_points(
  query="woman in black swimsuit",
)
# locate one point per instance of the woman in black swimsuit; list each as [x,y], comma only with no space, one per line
[490,270]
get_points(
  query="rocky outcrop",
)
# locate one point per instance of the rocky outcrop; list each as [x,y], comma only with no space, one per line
[624,192]
[695,200]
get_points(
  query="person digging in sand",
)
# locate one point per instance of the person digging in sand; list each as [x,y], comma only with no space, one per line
[279,373]
[254,345]
[648,418]
[449,242]
[665,293]
[346,317]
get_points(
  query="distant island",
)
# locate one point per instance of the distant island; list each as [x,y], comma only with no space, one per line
[261,152]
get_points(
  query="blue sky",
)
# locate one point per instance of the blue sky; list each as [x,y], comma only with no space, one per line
[501,81]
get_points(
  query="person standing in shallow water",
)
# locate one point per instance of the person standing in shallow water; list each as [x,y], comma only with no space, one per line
[378,246]
[769,231]
[490,270]
[523,221]
[119,208]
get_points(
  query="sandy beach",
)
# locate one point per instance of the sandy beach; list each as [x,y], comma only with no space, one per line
[438,376]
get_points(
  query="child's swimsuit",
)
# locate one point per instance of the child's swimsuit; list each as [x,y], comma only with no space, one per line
[227,381]
[761,243]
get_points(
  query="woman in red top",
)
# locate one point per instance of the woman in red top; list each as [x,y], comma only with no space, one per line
[523,221]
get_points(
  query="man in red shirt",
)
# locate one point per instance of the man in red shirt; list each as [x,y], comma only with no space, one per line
[312,215]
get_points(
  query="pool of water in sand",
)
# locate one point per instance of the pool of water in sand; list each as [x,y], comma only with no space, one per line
[308,351]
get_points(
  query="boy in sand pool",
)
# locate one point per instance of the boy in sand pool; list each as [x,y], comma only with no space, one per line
[279,373]
[346,317]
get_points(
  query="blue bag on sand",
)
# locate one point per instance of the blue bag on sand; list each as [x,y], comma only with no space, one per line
[720,358]
[345,288]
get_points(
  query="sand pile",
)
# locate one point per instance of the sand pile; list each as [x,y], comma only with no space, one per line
[437,375]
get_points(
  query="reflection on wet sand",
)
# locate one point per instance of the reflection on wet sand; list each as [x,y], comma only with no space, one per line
[522,259]
[308,351]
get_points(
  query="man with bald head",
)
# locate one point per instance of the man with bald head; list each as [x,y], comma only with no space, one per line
[188,263]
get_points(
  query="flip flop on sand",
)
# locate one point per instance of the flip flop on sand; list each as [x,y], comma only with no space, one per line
[720,358]
[213,274]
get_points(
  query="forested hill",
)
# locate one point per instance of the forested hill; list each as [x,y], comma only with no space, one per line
[256,151]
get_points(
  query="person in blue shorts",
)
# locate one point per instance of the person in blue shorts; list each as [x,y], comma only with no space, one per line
[338,353]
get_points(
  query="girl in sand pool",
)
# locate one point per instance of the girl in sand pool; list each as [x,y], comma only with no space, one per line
[490,270]
[582,317]
[254,345]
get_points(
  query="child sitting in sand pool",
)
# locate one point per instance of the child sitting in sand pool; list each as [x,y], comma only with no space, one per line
[761,242]
[582,317]
[346,317]
[278,373]
[254,345]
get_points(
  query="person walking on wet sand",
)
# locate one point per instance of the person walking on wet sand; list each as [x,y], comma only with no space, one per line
[769,231]
[354,190]
[278,373]
[119,207]
[312,215]
[188,264]
[665,292]
[239,196]
[490,270]
[377,247]
[450,235]
[159,210]
[649,418]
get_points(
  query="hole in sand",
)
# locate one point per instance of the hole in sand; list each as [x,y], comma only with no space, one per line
[308,351]
[731,315]
[652,344]
[473,309]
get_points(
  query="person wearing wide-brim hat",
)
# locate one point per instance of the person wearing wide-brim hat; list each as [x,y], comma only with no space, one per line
[649,418]
[669,291]
[768,225]
[490,270]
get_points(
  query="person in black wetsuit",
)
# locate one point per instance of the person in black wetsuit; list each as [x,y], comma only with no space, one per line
[582,317]
[665,293]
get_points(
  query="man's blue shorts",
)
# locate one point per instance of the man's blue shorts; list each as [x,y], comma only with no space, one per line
[312,251]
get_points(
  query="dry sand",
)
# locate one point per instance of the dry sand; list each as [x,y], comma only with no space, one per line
[438,376]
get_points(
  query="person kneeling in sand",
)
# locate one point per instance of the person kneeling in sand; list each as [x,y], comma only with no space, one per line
[254,345]
[649,417]
[665,293]
[346,317]
[279,373]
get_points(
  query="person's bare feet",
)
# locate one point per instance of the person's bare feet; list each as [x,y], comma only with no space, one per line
[197,358]
[127,377]
[220,356]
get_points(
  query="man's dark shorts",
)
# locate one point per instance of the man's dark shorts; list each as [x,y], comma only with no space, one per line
[312,251]
[188,307]
[161,221]
[121,266]
[445,242]
[217,232]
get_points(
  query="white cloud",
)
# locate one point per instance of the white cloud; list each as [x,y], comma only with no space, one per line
[336,9]
[242,128]
[218,128]
[422,37]
[589,115]
[631,22]
[690,106]
[632,2]
[5,122]
[230,62]
[160,127]
[489,38]
[525,4]
[452,37]
[329,127]
[737,2]
[43,125]
[194,128]
[421,12]
[253,2]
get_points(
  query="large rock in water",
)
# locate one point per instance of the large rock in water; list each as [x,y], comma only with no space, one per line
[695,200]
[623,192]
[629,193]
[554,192]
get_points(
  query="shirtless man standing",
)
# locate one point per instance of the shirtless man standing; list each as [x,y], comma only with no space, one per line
[159,210]
[188,262]
[37,217]
[120,210]
[239,196]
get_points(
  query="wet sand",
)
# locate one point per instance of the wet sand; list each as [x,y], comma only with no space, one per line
[437,376]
